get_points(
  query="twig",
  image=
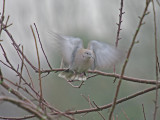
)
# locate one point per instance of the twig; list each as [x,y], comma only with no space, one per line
[6,24]
[17,118]
[144,112]
[20,79]
[5,64]
[76,86]
[8,88]
[26,107]
[110,104]
[127,58]
[47,104]
[92,106]
[39,71]
[42,47]
[15,84]
[20,97]
[22,59]
[158,66]
[118,30]
[56,110]
[45,75]
[92,76]
[7,20]
[17,46]
[131,79]
[119,23]
[1,76]
[18,73]
[5,55]
[126,116]
[15,92]
[2,17]
[156,58]
[41,98]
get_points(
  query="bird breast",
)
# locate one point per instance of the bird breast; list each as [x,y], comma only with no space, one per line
[81,64]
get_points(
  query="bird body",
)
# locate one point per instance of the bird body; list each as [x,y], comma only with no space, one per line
[82,61]
[78,60]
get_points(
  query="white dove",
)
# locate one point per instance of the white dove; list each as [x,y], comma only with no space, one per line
[78,60]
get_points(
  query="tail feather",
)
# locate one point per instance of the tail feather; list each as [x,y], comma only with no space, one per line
[70,75]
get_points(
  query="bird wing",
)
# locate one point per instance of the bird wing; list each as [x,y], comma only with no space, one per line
[68,47]
[105,55]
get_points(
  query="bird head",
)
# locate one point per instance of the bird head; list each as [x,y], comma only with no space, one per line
[88,54]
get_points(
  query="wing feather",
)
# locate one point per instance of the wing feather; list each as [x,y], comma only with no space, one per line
[105,55]
[68,46]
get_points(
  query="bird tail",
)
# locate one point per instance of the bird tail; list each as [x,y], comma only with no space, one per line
[70,75]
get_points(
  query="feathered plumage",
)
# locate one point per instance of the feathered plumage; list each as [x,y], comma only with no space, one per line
[78,60]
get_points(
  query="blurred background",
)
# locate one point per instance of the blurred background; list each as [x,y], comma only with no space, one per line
[88,20]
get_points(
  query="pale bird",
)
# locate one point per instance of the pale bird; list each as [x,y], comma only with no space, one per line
[78,60]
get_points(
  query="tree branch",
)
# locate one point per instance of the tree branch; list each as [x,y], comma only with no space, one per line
[99,108]
[127,59]
[156,62]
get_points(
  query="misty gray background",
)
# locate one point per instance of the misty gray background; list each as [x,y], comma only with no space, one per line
[89,20]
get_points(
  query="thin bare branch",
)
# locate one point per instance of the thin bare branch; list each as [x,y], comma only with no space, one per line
[22,59]
[119,23]
[42,47]
[127,58]
[1,76]
[131,79]
[39,71]
[76,86]
[7,20]
[26,107]
[2,17]
[110,104]
[156,62]
[144,112]
[17,118]
[93,105]
[126,116]
[17,46]
[18,73]
[20,79]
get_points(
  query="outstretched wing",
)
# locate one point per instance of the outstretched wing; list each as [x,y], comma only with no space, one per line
[68,47]
[105,55]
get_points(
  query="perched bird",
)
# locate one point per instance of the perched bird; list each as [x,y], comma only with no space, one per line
[78,60]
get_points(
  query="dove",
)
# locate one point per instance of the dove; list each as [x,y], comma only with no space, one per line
[78,60]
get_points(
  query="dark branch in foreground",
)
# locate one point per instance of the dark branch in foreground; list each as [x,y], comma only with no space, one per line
[131,79]
[100,108]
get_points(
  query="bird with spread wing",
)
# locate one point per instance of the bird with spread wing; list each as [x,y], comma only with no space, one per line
[78,60]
